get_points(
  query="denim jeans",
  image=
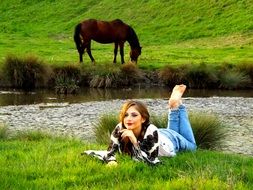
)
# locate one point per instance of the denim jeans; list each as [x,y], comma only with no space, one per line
[179,130]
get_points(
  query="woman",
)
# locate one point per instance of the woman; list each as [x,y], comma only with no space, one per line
[135,135]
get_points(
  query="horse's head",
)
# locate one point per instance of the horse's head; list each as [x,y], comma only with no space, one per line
[134,54]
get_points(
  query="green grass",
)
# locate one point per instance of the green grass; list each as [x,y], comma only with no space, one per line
[34,161]
[170,32]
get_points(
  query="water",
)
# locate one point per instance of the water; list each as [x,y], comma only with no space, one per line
[15,97]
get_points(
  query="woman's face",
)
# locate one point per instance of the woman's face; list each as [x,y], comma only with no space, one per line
[133,119]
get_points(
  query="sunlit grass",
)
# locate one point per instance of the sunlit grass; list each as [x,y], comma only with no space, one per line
[169,32]
[36,161]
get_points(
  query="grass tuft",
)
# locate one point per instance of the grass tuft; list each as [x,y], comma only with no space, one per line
[233,80]
[208,130]
[171,76]
[26,73]
[32,136]
[104,128]
[3,131]
[66,79]
[201,76]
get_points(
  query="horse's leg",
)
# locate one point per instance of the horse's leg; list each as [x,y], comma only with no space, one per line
[89,52]
[121,45]
[115,51]
[81,52]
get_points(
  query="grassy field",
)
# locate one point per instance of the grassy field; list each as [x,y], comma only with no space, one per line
[42,162]
[170,32]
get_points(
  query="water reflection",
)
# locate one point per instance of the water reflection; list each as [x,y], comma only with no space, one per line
[14,97]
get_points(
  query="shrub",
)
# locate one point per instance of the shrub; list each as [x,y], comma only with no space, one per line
[201,76]
[208,130]
[247,68]
[107,81]
[3,131]
[66,79]
[129,75]
[65,85]
[104,128]
[114,76]
[26,73]
[233,80]
[172,76]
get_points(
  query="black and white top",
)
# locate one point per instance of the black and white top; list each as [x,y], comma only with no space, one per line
[151,144]
[146,150]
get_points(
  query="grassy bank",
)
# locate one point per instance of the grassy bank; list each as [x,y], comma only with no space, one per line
[30,72]
[171,33]
[42,162]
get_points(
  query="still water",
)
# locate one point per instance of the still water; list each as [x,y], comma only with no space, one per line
[15,97]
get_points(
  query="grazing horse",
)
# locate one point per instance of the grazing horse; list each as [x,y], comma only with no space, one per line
[104,32]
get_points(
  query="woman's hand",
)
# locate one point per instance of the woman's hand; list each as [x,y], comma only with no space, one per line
[129,133]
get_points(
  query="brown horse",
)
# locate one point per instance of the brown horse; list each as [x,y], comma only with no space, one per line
[104,32]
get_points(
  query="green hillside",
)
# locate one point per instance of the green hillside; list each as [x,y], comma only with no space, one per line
[170,32]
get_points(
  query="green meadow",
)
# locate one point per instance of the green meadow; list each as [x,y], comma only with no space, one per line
[170,32]
[40,161]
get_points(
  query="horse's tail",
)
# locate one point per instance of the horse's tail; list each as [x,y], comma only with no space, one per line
[77,37]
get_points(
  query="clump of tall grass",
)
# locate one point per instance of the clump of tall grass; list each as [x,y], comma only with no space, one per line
[208,130]
[171,76]
[3,131]
[130,74]
[107,81]
[114,76]
[104,127]
[32,136]
[101,76]
[25,72]
[66,79]
[201,76]
[233,80]
[247,68]
[29,135]
[130,70]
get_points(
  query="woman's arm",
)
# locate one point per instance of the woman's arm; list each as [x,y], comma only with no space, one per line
[147,149]
[114,144]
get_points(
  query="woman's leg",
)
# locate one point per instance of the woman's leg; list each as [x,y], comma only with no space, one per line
[178,120]
[174,102]
[185,128]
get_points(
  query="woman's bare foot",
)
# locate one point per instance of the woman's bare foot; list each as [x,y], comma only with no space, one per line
[175,97]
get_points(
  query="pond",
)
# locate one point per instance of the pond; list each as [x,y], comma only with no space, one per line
[16,97]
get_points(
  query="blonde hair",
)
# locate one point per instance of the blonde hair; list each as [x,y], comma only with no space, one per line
[139,106]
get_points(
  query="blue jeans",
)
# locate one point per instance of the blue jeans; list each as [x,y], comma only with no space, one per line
[179,130]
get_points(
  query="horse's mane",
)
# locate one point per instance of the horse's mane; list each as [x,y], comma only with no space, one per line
[132,38]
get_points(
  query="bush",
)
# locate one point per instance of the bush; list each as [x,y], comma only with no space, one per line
[104,128]
[201,76]
[233,80]
[66,79]
[3,131]
[25,73]
[247,68]
[172,76]
[208,130]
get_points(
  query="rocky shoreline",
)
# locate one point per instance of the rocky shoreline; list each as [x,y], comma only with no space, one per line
[78,120]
